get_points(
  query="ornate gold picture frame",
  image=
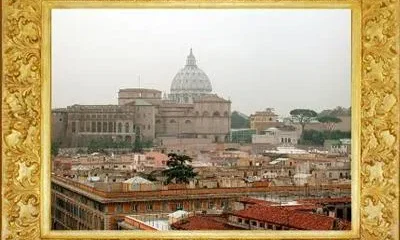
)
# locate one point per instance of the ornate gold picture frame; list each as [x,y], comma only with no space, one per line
[25,183]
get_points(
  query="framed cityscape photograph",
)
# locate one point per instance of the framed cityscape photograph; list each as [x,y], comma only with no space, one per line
[250,120]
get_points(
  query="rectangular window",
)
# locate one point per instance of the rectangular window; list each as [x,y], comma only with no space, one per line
[179,206]
[224,204]
[119,208]
[134,207]
[81,126]
[73,127]
[149,207]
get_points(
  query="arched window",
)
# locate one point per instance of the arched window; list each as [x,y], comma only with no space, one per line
[127,127]
[216,114]
[188,121]
[119,127]
[98,126]
[225,114]
[104,126]
[148,127]
[197,113]
[206,114]
[110,126]
[93,126]
[172,121]
[158,121]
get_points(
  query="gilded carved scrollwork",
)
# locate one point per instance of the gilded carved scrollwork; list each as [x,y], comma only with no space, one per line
[380,120]
[21,117]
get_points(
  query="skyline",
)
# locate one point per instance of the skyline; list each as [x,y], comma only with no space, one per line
[236,67]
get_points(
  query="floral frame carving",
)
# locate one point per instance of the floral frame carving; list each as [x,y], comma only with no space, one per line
[22,109]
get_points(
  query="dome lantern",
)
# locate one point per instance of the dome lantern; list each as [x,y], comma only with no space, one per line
[191,60]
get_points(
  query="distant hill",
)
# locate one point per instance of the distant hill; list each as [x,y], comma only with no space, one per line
[239,120]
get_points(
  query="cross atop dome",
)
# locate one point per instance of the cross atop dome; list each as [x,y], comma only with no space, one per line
[191,60]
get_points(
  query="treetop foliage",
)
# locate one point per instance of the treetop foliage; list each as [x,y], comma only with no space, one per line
[179,170]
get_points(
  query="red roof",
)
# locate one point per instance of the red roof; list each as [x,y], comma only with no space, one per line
[344,225]
[255,201]
[326,200]
[203,223]
[301,207]
[310,221]
[287,217]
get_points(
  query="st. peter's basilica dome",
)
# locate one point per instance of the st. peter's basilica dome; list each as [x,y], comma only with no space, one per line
[190,82]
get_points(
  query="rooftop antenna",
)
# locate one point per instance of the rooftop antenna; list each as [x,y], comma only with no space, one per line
[139,80]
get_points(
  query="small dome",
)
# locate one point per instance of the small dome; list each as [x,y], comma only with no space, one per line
[272,129]
[190,82]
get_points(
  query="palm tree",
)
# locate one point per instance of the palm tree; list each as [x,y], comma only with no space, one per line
[179,169]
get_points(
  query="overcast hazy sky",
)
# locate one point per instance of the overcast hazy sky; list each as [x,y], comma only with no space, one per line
[283,59]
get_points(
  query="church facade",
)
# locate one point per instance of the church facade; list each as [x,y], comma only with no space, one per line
[191,110]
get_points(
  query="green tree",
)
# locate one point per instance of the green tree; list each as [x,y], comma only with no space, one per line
[152,176]
[317,138]
[329,121]
[100,145]
[302,116]
[55,148]
[338,111]
[179,170]
[312,137]
[138,145]
[239,120]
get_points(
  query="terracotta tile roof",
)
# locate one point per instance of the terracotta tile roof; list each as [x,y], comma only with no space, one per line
[203,223]
[301,207]
[344,225]
[326,200]
[310,221]
[255,201]
[287,217]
